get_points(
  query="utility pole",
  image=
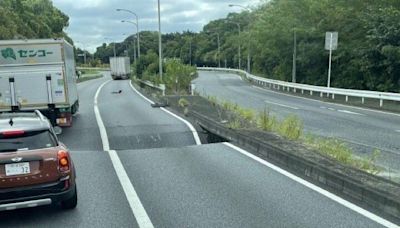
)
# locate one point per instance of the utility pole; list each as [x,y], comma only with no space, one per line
[294,56]
[190,51]
[160,42]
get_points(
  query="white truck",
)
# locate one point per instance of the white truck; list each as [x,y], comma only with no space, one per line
[39,75]
[120,67]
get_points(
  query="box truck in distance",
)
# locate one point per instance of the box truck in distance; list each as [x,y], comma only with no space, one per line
[39,75]
[120,67]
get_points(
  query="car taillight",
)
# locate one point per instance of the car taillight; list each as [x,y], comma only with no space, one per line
[63,161]
[12,133]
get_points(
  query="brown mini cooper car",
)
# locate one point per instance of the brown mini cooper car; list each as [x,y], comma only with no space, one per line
[35,168]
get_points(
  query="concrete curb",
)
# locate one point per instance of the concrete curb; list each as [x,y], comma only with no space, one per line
[377,198]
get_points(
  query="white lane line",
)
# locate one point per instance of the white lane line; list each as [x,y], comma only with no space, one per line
[240,78]
[350,112]
[282,105]
[189,125]
[398,131]
[137,208]
[341,105]
[321,191]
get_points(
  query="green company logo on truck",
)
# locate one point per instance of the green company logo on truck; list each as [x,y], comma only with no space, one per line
[9,53]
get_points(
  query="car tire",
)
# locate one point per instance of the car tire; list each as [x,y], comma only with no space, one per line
[71,202]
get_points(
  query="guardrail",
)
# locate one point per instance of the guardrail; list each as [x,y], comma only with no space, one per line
[160,87]
[330,92]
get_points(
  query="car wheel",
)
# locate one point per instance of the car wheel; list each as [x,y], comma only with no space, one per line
[71,202]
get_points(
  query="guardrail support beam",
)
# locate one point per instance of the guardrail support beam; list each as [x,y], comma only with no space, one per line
[381,103]
[362,100]
[347,98]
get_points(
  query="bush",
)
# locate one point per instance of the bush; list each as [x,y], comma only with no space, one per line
[291,127]
[266,121]
[183,103]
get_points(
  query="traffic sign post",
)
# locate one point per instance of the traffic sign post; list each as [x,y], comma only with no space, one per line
[331,43]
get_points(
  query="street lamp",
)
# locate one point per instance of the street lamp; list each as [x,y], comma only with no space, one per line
[248,52]
[219,48]
[137,33]
[137,27]
[160,42]
[239,50]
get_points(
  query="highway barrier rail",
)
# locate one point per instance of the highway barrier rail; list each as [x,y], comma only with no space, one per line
[311,89]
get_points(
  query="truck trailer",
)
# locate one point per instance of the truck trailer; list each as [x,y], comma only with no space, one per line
[39,75]
[120,67]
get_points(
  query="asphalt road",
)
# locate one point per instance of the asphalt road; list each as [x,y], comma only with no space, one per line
[363,129]
[179,184]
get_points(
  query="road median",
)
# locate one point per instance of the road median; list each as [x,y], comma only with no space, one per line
[374,193]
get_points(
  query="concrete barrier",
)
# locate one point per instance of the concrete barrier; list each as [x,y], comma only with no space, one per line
[377,194]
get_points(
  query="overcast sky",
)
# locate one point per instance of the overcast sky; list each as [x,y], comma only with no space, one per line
[92,21]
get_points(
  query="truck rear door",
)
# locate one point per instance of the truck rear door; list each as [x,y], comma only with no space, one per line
[34,87]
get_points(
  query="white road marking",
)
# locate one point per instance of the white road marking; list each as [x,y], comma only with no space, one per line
[282,105]
[313,187]
[341,105]
[137,208]
[189,125]
[398,131]
[240,78]
[350,112]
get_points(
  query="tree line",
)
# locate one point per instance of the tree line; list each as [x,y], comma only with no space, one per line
[368,54]
[31,19]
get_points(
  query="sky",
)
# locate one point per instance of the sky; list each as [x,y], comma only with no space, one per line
[93,22]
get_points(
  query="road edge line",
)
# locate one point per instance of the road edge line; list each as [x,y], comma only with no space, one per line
[187,123]
[133,199]
[315,188]
[326,102]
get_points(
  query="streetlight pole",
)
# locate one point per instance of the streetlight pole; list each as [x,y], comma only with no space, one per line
[248,51]
[294,56]
[137,27]
[160,42]
[137,33]
[190,51]
[239,50]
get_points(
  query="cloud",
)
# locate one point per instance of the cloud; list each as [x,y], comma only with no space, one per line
[91,21]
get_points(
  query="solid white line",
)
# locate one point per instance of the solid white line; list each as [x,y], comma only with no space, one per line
[103,133]
[282,105]
[321,191]
[136,206]
[350,112]
[189,125]
[324,102]
[398,131]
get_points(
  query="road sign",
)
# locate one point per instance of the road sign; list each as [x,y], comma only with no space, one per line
[331,43]
[331,40]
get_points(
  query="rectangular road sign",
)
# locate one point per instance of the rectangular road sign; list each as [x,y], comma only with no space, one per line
[331,40]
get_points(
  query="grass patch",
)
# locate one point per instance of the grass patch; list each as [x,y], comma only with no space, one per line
[89,71]
[340,151]
[266,121]
[291,128]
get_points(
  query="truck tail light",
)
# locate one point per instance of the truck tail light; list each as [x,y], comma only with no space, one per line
[63,161]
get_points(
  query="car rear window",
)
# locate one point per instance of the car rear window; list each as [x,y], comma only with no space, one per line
[28,141]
